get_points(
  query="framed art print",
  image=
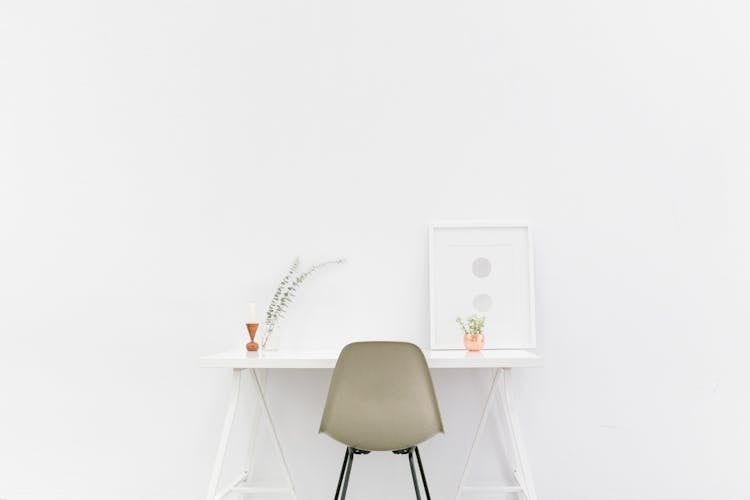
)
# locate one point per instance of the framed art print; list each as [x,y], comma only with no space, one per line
[482,268]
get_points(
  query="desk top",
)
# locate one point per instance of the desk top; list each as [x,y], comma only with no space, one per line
[327,359]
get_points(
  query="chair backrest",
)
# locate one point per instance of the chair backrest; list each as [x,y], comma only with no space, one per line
[381,397]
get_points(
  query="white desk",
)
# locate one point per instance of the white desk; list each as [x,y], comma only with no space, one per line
[500,362]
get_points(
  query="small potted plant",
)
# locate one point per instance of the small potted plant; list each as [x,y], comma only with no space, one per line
[473,328]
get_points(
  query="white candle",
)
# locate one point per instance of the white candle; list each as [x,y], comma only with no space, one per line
[252,318]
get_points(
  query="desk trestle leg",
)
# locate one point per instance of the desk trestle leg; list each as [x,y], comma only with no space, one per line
[521,471]
[234,398]
[236,485]
[254,425]
[269,421]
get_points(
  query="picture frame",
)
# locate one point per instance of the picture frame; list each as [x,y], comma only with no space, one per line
[485,268]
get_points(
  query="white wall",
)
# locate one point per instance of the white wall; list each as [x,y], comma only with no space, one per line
[162,163]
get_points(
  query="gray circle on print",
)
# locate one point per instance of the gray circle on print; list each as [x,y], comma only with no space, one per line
[481,267]
[482,302]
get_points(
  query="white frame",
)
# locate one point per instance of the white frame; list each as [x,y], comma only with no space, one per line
[434,343]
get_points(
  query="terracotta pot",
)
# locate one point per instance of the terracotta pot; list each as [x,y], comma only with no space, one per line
[474,342]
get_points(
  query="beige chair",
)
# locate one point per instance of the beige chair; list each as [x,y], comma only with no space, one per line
[381,399]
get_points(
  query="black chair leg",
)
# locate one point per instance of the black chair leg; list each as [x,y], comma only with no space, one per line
[346,469]
[421,471]
[413,473]
[341,476]
[350,454]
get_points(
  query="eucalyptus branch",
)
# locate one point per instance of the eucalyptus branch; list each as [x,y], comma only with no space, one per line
[286,292]
[280,290]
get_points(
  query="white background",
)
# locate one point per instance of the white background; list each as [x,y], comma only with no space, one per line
[163,162]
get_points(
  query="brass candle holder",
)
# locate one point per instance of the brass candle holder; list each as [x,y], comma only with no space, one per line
[252,328]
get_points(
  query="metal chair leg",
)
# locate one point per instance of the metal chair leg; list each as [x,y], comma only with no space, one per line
[350,454]
[421,471]
[341,476]
[413,473]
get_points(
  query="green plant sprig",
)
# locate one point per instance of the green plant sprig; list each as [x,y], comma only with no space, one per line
[473,325]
